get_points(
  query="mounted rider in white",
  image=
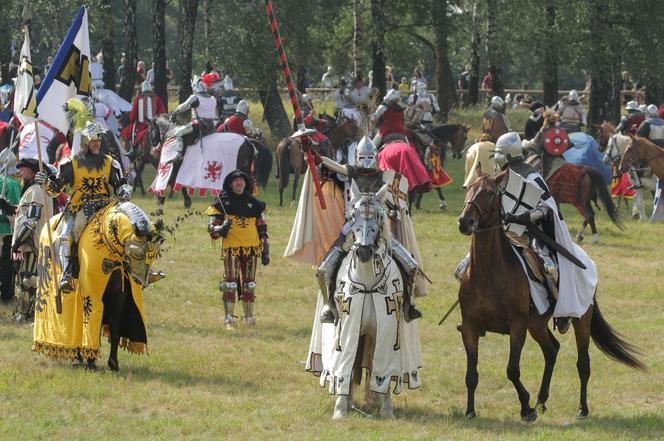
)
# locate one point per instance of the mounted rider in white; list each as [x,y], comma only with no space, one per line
[427,102]
[652,127]
[204,116]
[573,114]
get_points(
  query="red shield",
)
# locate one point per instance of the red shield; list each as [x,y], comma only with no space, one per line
[556,141]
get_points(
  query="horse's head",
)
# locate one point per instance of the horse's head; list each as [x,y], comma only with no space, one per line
[481,209]
[367,221]
[604,133]
[158,128]
[458,141]
[631,155]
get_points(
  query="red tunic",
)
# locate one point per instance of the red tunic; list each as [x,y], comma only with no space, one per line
[138,120]
[633,123]
[233,124]
[403,159]
[392,122]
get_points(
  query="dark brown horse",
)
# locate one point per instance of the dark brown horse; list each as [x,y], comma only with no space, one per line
[494,296]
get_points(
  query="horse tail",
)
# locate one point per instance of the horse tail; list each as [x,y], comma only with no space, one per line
[611,342]
[263,166]
[599,186]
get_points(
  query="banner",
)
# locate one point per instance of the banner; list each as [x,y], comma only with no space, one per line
[25,104]
[68,76]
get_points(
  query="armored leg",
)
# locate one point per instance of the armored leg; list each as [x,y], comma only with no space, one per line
[247,293]
[551,274]
[64,253]
[462,267]
[408,265]
[27,288]
[325,275]
[229,288]
[179,140]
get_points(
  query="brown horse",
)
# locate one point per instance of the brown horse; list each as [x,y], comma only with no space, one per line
[494,296]
[641,153]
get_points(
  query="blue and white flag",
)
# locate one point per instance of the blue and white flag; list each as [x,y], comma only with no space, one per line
[68,76]
[25,105]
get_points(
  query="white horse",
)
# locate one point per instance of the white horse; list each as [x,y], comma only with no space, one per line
[370,332]
[614,151]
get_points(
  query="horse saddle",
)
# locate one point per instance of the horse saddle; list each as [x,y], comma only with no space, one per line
[534,264]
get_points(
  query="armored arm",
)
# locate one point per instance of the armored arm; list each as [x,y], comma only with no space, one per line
[192,101]
[528,217]
[25,231]
[334,166]
[215,224]
[119,183]
[535,145]
[55,183]
[261,226]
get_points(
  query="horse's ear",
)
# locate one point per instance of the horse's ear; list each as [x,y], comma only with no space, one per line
[500,177]
[478,169]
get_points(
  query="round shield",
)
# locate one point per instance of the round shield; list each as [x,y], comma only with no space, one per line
[556,141]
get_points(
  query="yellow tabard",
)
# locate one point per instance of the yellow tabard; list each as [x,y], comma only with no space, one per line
[243,235]
[90,184]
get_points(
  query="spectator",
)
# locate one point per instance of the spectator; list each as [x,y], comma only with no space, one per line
[417,78]
[228,82]
[404,89]
[49,61]
[150,75]
[328,79]
[626,84]
[140,72]
[390,82]
[121,68]
[487,82]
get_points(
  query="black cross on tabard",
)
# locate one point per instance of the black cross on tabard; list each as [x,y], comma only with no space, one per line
[393,304]
[518,200]
[396,192]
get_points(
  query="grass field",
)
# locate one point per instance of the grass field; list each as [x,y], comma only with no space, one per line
[200,381]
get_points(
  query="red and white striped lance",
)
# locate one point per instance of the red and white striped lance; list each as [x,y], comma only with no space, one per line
[294,102]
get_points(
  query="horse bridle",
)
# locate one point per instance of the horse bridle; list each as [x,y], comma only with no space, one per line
[615,160]
[475,205]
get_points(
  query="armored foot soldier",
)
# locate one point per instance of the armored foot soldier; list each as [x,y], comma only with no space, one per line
[570,275]
[237,219]
[239,121]
[369,179]
[30,218]
[94,178]
[494,122]
[573,115]
[10,193]
[204,116]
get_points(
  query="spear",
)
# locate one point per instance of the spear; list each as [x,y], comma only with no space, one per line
[302,131]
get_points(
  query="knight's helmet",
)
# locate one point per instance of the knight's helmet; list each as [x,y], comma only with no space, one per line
[508,149]
[573,96]
[91,132]
[420,88]
[198,86]
[392,96]
[497,103]
[146,87]
[366,154]
[243,107]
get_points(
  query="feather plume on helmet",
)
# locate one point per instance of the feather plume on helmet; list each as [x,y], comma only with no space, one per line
[78,114]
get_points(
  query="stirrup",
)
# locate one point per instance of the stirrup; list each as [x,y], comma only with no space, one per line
[412,313]
[562,324]
[327,315]
[66,284]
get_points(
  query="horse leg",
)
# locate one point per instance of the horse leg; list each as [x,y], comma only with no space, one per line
[138,181]
[549,346]
[412,195]
[517,339]
[418,200]
[442,203]
[116,299]
[296,180]
[579,235]
[187,198]
[471,338]
[593,228]
[340,407]
[386,407]
[582,335]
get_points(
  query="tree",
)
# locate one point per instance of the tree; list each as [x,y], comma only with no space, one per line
[108,45]
[159,26]
[190,9]
[357,36]
[550,81]
[445,86]
[207,20]
[474,84]
[378,45]
[493,48]
[131,55]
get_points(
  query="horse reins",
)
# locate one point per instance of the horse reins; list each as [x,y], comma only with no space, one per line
[479,209]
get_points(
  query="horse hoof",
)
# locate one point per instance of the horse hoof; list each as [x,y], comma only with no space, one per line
[113,365]
[582,414]
[595,239]
[579,238]
[532,416]
[541,407]
[471,415]
[338,415]
[442,205]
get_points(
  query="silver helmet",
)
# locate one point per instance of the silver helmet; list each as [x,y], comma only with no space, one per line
[651,110]
[497,103]
[392,96]
[243,107]
[198,86]
[508,148]
[366,154]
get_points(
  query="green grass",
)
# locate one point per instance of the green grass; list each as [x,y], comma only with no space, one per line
[202,382]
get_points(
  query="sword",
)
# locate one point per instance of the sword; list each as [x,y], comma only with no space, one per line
[541,235]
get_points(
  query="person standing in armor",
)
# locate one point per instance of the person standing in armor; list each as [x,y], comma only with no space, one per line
[494,121]
[652,127]
[426,101]
[146,107]
[10,193]
[93,178]
[389,118]
[630,123]
[572,286]
[237,219]
[573,114]
[30,219]
[238,122]
[369,179]
[204,116]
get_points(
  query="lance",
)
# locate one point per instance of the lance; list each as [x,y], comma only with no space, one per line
[302,131]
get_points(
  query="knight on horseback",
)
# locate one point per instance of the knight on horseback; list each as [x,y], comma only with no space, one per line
[389,119]
[652,127]
[494,122]
[631,122]
[94,178]
[147,105]
[239,121]
[369,179]
[354,100]
[203,108]
[426,102]
[573,114]
[536,228]
[237,219]
[547,139]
